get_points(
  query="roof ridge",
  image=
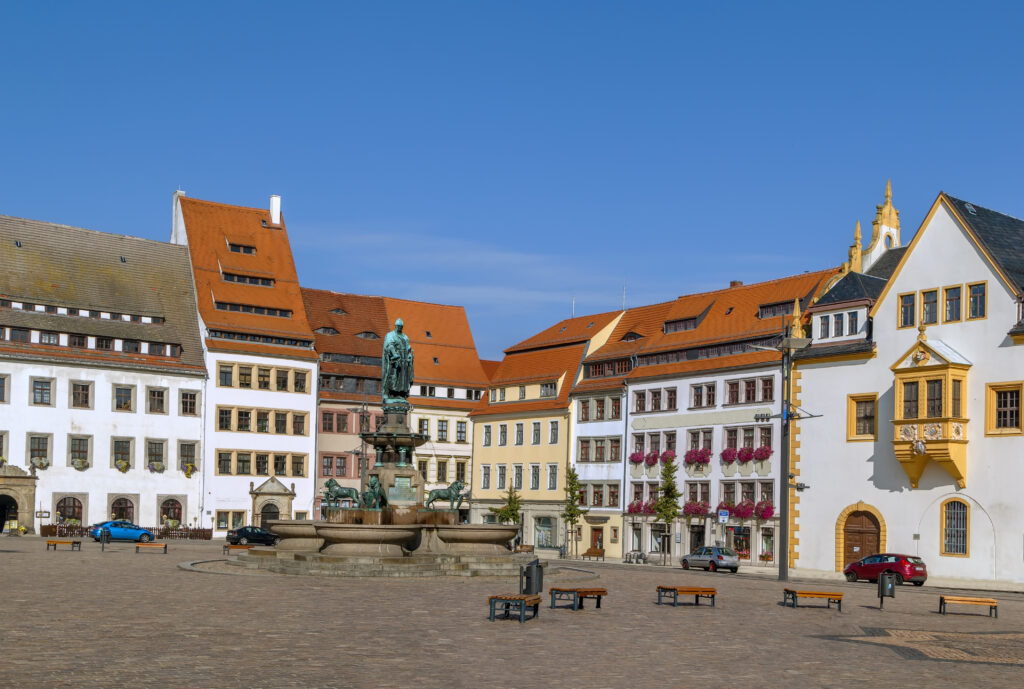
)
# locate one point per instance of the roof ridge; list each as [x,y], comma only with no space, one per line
[89,229]
[185,197]
[760,284]
[984,208]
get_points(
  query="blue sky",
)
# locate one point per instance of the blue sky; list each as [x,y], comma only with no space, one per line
[512,156]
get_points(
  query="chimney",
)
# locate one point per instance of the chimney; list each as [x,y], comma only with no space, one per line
[735,283]
[275,209]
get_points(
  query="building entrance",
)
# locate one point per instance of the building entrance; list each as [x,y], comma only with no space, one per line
[269,511]
[8,511]
[861,536]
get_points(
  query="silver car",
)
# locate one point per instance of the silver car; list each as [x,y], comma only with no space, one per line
[712,558]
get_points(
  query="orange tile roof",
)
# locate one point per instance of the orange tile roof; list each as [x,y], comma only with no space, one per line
[448,356]
[569,331]
[350,315]
[535,366]
[699,365]
[210,227]
[91,357]
[646,321]
[490,367]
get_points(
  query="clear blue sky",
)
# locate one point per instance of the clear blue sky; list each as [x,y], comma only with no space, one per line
[508,156]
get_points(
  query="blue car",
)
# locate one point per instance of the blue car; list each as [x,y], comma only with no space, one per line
[121,530]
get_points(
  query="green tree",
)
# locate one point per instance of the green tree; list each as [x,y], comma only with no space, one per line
[572,512]
[509,512]
[667,506]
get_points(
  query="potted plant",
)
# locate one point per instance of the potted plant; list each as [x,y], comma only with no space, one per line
[39,462]
[762,453]
[696,509]
[122,465]
[701,455]
[744,509]
[668,456]
[744,455]
[80,464]
[649,507]
[189,469]
[636,458]
[729,455]
[723,505]
[651,458]
[635,507]
[156,467]
[764,510]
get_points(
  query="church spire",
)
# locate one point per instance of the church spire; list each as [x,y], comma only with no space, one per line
[885,213]
[855,250]
[798,326]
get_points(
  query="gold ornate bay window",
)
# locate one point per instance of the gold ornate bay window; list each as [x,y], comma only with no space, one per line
[931,423]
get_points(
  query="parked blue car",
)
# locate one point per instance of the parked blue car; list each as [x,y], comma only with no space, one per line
[121,530]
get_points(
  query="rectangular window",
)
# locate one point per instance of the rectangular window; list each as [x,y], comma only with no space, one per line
[486,440]
[280,422]
[851,320]
[41,390]
[327,424]
[599,450]
[485,477]
[934,392]
[442,472]
[823,327]
[157,401]
[227,375]
[442,431]
[767,389]
[300,381]
[48,338]
[548,389]
[953,309]
[517,476]
[670,399]
[130,346]
[3,388]
[522,392]
[765,433]
[733,392]
[930,307]
[342,423]
[298,424]
[80,449]
[535,433]
[80,395]
[553,433]
[460,472]
[535,477]
[77,340]
[262,465]
[837,324]
[424,425]
[907,310]
[750,391]
[245,376]
[123,398]
[697,395]
[978,304]
[224,419]
[263,378]
[597,497]
[519,434]
[584,453]
[641,401]
[731,438]
[861,417]
[460,431]
[422,467]
[955,400]
[326,465]
[243,464]
[189,401]
[614,449]
[584,410]
[502,435]
[910,400]
[281,380]
[709,394]
[280,465]
[748,437]
[552,476]
[1007,409]
[224,463]
[599,409]
[298,465]
[502,469]
[655,400]
[244,420]
[616,408]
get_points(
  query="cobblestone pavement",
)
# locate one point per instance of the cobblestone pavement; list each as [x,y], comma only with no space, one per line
[120,619]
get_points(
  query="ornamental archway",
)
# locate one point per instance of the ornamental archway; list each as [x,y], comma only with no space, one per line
[859,526]
[19,489]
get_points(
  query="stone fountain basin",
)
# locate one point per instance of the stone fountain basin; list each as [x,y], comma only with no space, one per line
[296,535]
[482,539]
[360,539]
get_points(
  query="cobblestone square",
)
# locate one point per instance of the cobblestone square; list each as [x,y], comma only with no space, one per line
[121,619]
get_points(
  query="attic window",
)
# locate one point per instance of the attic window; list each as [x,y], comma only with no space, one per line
[428,333]
[631,336]
[340,312]
[562,329]
[782,308]
[325,330]
[970,209]
[590,324]
[124,260]
[367,335]
[728,311]
[17,243]
[436,361]
[241,248]
[680,325]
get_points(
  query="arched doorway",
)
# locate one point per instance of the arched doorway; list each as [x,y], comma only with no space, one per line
[861,536]
[123,508]
[269,511]
[8,510]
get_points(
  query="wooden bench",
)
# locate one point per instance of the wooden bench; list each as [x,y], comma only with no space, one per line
[524,548]
[150,545]
[229,548]
[789,597]
[992,603]
[673,593]
[53,543]
[576,596]
[514,602]
[594,554]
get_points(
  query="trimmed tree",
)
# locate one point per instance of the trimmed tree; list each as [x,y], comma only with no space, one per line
[667,506]
[572,512]
[509,512]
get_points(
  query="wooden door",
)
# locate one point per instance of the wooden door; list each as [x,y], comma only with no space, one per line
[861,535]
[597,537]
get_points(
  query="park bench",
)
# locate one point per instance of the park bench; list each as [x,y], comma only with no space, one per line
[575,596]
[150,545]
[594,554]
[230,548]
[524,548]
[53,543]
[992,603]
[673,592]
[789,597]
[514,602]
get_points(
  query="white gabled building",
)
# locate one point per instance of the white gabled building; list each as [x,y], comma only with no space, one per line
[101,379]
[918,446]
[261,401]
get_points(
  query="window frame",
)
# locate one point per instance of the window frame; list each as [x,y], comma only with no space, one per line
[945,304]
[984,306]
[90,388]
[991,394]
[51,391]
[133,399]
[921,305]
[851,417]
[196,402]
[943,552]
[150,389]
[900,324]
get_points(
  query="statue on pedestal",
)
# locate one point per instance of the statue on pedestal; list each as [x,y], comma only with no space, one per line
[396,367]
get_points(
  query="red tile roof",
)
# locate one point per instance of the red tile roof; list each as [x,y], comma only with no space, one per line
[569,331]
[210,228]
[535,366]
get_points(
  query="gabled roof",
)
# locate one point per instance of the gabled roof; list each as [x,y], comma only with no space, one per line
[350,315]
[62,266]
[569,331]
[534,366]
[211,228]
[886,263]
[646,321]
[1001,236]
[852,287]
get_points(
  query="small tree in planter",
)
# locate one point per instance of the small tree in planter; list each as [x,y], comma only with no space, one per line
[571,510]
[509,512]
[667,506]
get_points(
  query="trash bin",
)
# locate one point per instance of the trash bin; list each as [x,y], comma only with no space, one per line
[531,578]
[886,586]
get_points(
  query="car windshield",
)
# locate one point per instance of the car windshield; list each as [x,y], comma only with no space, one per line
[728,552]
[915,560]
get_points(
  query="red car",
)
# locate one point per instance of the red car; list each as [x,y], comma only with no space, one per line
[906,568]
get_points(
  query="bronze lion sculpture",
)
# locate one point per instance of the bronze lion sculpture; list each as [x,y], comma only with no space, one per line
[451,494]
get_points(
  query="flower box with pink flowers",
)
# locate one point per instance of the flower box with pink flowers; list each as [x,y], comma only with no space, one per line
[636,458]
[729,455]
[700,455]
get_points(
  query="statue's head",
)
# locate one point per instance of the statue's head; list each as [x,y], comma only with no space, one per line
[399,325]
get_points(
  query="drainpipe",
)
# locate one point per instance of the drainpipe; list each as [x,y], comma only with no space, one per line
[623,448]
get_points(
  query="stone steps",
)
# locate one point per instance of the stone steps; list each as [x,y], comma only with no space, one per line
[310,564]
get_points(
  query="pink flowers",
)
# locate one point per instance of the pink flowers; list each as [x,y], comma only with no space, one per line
[744,454]
[762,453]
[698,456]
[639,507]
[764,510]
[668,456]
[696,508]
[637,458]
[651,458]
[729,455]
[727,506]
[744,509]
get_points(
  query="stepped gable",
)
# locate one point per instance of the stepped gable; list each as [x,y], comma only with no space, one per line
[71,267]
[262,250]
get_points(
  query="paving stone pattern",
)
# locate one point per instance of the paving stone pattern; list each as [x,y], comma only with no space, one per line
[120,619]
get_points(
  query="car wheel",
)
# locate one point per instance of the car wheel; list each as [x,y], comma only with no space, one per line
[735,570]
[144,538]
[275,542]
[851,577]
[918,583]
[686,564]
[712,567]
[898,578]
[243,541]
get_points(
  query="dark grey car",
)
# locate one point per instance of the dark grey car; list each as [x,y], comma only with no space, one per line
[712,558]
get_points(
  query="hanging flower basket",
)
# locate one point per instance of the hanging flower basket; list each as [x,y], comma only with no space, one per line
[39,462]
[729,455]
[651,458]
[156,467]
[699,456]
[649,507]
[762,453]
[696,508]
[744,509]
[727,506]
[764,510]
[668,456]
[744,455]
[122,465]
[189,469]
[635,507]
[636,458]
[80,464]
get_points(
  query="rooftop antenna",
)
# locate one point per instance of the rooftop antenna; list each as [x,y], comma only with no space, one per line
[623,296]
[574,306]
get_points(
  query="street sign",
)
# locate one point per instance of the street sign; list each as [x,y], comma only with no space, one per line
[723,516]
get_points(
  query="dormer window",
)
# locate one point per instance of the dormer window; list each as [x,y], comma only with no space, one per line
[680,325]
[367,335]
[631,337]
[782,308]
[326,330]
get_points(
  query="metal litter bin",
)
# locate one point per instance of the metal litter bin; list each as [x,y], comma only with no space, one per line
[531,578]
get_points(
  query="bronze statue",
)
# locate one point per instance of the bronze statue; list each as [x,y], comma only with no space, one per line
[451,493]
[396,366]
[334,491]
[373,496]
